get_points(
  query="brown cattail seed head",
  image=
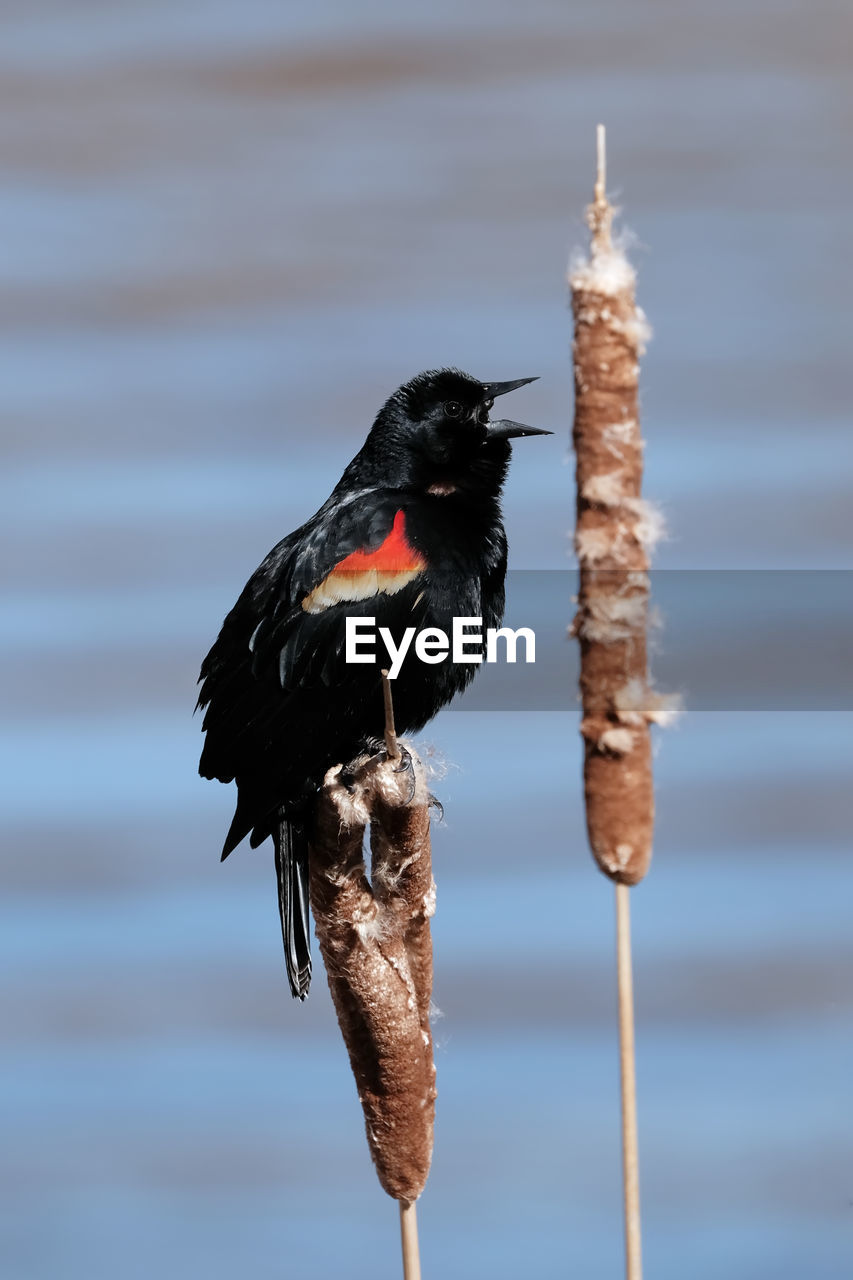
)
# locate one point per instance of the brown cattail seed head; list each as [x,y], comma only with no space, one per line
[615,530]
[375,940]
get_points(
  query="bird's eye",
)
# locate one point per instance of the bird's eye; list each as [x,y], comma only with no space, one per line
[453,409]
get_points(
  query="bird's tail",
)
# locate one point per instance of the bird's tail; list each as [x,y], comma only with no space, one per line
[291,868]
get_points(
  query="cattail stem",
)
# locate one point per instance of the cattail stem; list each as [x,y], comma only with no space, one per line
[600,215]
[628,1075]
[409,1241]
[408,1209]
[391,744]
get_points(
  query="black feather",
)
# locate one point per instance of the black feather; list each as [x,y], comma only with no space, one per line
[291,868]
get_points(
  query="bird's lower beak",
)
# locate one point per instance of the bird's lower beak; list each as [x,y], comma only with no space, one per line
[505,429]
[495,389]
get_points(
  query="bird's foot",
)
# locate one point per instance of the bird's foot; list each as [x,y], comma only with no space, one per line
[357,774]
[347,777]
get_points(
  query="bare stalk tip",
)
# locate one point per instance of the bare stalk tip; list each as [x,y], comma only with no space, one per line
[391,744]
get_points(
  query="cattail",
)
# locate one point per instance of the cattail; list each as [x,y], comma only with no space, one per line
[374,937]
[615,531]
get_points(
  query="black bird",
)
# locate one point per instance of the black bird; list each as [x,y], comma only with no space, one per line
[412,535]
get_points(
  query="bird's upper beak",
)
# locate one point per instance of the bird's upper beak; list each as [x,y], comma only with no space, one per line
[504,428]
[494,389]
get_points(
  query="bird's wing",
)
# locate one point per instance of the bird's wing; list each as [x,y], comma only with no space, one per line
[356,552]
[286,633]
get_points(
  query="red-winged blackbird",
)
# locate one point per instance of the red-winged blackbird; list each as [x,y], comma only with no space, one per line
[412,535]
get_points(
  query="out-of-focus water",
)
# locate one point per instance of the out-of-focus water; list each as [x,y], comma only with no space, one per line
[228,231]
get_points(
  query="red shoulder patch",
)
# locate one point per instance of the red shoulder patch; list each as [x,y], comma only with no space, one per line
[394,555]
[363,574]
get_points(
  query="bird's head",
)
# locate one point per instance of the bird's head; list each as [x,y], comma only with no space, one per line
[436,432]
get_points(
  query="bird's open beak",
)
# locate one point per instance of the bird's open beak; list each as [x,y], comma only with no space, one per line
[505,429]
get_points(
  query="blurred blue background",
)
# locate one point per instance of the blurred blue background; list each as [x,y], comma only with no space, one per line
[228,232]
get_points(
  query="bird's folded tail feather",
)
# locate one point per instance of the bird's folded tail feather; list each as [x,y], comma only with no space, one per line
[241,823]
[291,868]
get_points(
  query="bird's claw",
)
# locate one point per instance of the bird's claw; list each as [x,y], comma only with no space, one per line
[406,765]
